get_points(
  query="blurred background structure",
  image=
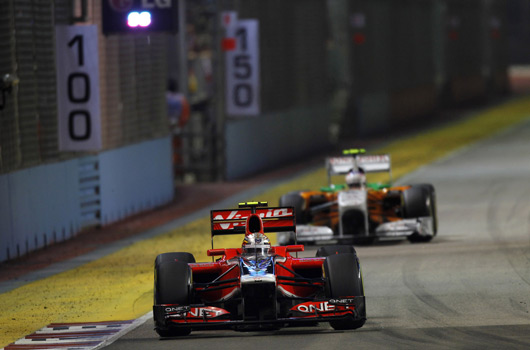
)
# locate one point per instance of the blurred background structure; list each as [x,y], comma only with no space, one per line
[329,70]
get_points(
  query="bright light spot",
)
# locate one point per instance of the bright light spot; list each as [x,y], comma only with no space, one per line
[139,19]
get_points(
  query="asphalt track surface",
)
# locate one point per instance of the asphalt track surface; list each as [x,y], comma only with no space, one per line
[467,289]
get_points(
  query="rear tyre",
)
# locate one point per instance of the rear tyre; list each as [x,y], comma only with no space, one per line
[344,279]
[174,256]
[363,240]
[172,286]
[433,211]
[294,199]
[334,250]
[420,201]
[415,202]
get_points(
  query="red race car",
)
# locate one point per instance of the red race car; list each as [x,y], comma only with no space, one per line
[257,286]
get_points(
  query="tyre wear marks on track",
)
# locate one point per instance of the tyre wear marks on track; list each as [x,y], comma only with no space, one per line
[148,294]
[477,337]
[438,336]
[495,223]
[519,305]
[410,280]
[406,339]
[520,209]
[494,229]
[519,206]
[441,338]
[496,233]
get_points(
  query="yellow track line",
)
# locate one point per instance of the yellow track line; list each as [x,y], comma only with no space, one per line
[119,286]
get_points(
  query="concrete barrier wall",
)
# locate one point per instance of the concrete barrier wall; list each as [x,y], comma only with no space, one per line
[255,144]
[39,206]
[42,205]
[135,178]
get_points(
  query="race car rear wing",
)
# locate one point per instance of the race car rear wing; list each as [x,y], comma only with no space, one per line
[340,165]
[367,163]
[232,221]
[374,163]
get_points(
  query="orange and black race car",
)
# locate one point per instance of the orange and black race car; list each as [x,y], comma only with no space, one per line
[358,211]
[257,286]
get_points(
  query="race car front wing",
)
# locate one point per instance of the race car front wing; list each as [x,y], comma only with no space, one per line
[211,317]
[406,227]
[401,228]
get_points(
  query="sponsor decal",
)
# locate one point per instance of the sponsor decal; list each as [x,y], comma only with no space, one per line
[352,197]
[195,312]
[382,158]
[177,309]
[234,214]
[340,161]
[228,219]
[341,301]
[326,306]
[203,265]
[340,165]
[314,306]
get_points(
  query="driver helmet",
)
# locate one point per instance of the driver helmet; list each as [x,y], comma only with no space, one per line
[355,178]
[256,243]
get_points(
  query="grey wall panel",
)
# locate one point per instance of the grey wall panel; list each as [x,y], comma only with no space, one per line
[41,207]
[261,143]
[6,231]
[135,178]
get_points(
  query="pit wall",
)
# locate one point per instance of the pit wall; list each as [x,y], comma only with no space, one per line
[54,202]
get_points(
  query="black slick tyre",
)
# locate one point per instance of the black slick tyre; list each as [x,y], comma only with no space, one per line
[415,202]
[343,279]
[294,199]
[174,256]
[172,286]
[334,250]
[420,201]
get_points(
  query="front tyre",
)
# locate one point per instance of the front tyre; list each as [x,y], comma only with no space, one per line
[344,279]
[172,286]
[420,201]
